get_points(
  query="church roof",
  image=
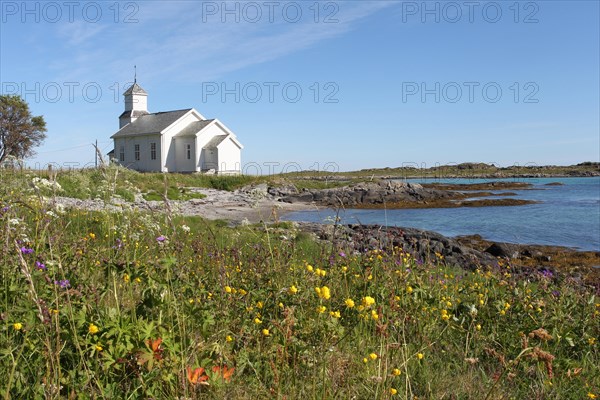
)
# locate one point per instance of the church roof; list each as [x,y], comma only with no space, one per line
[214,142]
[149,124]
[133,113]
[135,89]
[194,127]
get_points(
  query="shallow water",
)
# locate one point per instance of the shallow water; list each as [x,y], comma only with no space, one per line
[567,215]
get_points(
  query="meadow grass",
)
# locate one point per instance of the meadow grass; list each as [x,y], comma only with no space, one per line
[153,305]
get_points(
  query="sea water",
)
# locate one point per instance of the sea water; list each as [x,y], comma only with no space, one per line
[566,215]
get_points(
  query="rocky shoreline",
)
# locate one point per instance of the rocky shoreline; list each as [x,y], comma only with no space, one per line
[393,194]
[469,253]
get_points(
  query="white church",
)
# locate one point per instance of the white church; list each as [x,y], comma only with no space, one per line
[173,141]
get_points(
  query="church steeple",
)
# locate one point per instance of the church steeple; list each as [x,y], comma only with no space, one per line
[136,103]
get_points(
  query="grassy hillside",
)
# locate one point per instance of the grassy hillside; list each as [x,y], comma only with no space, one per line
[141,305]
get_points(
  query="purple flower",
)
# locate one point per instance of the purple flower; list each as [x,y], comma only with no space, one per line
[5,209]
[547,274]
[40,266]
[25,250]
[342,254]
[64,283]
[161,239]
[118,245]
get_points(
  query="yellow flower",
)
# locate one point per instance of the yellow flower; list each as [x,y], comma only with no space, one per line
[591,395]
[257,321]
[396,372]
[365,360]
[373,356]
[321,309]
[478,327]
[409,289]
[227,289]
[325,294]
[92,236]
[259,305]
[420,356]
[502,312]
[17,326]
[349,303]
[591,341]
[309,268]
[335,314]
[368,301]
[126,278]
[393,391]
[374,315]
[242,292]
[98,348]
[293,289]
[93,329]
[266,332]
[229,338]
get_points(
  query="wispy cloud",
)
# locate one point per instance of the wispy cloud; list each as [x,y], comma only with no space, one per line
[176,41]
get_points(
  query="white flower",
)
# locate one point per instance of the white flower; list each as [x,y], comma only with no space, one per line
[185,228]
[14,221]
[51,214]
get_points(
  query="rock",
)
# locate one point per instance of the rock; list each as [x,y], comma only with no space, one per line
[504,250]
[282,191]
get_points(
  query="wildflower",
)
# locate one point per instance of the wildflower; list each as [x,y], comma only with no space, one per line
[257,321]
[373,356]
[93,329]
[365,360]
[396,372]
[342,254]
[293,289]
[227,289]
[349,303]
[197,376]
[229,338]
[259,305]
[17,326]
[393,391]
[223,372]
[591,395]
[323,292]
[409,289]
[368,301]
[420,356]
[478,327]
[40,266]
[321,309]
[185,228]
[266,332]
[591,341]
[63,283]
[309,268]
[92,235]
[126,278]
[242,292]
[374,315]
[26,250]
[335,314]
[161,239]
[98,348]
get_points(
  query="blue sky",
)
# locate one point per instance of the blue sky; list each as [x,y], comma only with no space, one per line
[337,85]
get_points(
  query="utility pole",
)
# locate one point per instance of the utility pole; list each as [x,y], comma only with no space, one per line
[96,154]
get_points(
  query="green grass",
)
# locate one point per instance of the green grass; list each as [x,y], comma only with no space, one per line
[150,296]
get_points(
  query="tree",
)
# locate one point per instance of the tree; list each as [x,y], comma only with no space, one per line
[20,132]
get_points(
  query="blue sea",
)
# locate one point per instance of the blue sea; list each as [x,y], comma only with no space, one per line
[567,215]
